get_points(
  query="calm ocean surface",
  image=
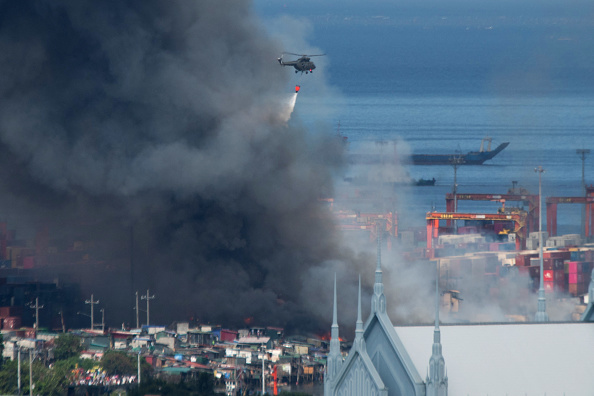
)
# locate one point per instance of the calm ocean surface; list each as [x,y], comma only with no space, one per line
[439,80]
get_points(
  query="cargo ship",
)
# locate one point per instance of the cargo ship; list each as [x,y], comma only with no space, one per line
[470,158]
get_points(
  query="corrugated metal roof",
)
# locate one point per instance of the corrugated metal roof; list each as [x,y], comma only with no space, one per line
[176,370]
[253,340]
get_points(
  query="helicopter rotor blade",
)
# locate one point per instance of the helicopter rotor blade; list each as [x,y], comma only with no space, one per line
[292,53]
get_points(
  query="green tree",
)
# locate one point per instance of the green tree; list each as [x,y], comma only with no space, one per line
[8,377]
[205,384]
[1,349]
[47,381]
[120,363]
[75,362]
[67,346]
[50,381]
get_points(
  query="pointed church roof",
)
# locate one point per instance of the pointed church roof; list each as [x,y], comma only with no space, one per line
[358,357]
[379,318]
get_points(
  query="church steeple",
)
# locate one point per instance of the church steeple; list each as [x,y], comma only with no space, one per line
[359,326]
[437,379]
[334,356]
[378,301]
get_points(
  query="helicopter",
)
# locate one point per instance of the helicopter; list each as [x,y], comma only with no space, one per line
[303,64]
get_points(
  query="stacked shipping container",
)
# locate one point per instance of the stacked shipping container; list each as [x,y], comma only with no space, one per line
[578,271]
[565,270]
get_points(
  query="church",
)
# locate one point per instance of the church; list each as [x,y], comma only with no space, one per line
[498,359]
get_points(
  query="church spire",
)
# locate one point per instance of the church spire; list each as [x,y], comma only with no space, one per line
[437,379]
[334,355]
[359,326]
[378,301]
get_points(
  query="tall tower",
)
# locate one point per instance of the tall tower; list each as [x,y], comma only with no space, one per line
[378,301]
[437,379]
[334,363]
[359,340]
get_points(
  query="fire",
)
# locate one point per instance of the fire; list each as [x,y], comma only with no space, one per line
[327,337]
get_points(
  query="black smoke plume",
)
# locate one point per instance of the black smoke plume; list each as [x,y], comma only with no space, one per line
[156,128]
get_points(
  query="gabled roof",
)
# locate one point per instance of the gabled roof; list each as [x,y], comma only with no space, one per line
[358,364]
[359,357]
[510,359]
[397,346]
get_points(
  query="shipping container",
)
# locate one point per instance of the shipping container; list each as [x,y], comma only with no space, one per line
[11,311]
[29,262]
[578,256]
[579,278]
[11,323]
[551,263]
[577,289]
[575,267]
[534,271]
[551,275]
[524,259]
[559,254]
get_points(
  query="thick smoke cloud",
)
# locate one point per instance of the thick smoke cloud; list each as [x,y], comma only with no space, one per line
[161,125]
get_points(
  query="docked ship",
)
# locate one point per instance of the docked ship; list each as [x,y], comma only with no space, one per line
[470,158]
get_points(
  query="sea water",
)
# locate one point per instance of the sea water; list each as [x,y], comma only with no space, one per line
[439,78]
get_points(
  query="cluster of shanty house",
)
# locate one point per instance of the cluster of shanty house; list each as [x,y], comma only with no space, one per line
[236,358]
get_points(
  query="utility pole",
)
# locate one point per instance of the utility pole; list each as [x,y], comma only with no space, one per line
[37,307]
[147,298]
[583,153]
[19,367]
[263,376]
[137,323]
[139,368]
[102,320]
[92,302]
[541,313]
[62,320]
[30,372]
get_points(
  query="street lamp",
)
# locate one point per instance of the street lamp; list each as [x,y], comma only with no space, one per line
[456,161]
[541,314]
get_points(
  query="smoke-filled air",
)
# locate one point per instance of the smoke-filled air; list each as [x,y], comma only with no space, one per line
[156,133]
